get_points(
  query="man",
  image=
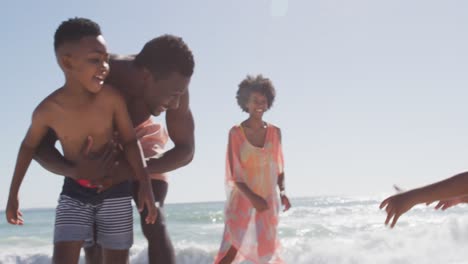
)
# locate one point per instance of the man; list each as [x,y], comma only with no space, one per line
[151,82]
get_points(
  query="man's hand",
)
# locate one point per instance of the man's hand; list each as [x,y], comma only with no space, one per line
[13,214]
[95,166]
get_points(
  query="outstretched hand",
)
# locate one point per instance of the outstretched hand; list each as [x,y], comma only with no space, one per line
[395,206]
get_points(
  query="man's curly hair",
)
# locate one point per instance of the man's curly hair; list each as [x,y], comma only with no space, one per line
[164,55]
[74,29]
[258,84]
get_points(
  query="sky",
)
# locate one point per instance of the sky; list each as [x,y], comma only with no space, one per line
[369,93]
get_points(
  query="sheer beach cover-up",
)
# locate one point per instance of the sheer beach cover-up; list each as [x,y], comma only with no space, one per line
[253,234]
[153,138]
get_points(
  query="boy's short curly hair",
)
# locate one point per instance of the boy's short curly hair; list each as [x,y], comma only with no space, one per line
[164,55]
[258,84]
[75,29]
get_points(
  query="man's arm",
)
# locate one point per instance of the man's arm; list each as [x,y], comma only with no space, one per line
[94,168]
[181,128]
[50,158]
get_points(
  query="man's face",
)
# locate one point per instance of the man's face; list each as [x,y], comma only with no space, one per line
[163,94]
[89,62]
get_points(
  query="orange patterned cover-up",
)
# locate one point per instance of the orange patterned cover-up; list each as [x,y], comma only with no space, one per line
[153,138]
[252,233]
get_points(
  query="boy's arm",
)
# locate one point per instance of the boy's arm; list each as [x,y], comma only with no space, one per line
[36,131]
[181,127]
[133,155]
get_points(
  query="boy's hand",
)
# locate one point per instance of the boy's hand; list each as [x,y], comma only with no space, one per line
[146,198]
[13,214]
[259,203]
[285,202]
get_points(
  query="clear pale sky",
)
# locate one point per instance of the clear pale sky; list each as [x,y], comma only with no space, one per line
[369,93]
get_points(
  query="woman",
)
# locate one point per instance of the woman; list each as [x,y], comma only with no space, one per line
[254,168]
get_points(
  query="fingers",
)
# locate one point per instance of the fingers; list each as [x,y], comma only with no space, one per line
[149,203]
[389,217]
[15,219]
[392,216]
[288,205]
[87,145]
[152,213]
[384,203]
[285,203]
[446,206]
[395,219]
[108,157]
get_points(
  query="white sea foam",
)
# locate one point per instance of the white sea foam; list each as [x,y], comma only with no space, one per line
[320,230]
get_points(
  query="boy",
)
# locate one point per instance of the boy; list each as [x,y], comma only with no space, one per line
[84,107]
[154,80]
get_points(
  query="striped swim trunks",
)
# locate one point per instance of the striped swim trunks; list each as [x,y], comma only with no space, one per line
[110,218]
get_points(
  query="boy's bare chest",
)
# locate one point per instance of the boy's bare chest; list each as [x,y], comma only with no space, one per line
[73,126]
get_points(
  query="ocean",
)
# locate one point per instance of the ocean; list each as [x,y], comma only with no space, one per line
[317,230]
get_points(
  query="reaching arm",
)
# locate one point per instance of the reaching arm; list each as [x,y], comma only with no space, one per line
[180,126]
[28,147]
[399,204]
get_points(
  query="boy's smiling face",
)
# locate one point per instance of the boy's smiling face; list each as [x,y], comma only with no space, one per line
[88,62]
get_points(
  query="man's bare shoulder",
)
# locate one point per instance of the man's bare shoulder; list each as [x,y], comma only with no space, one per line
[111,93]
[111,98]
